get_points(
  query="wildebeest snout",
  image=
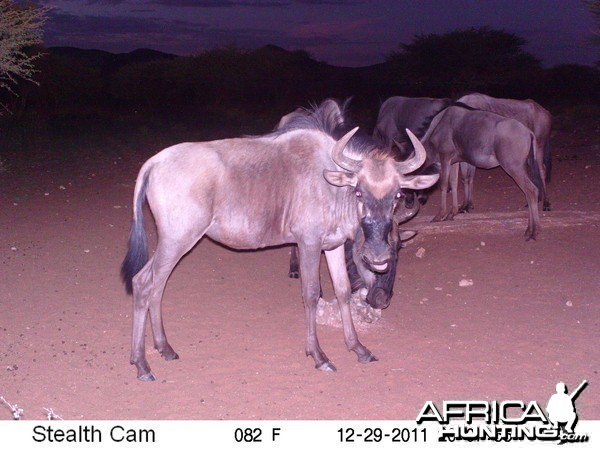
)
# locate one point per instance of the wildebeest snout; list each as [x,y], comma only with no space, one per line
[378,259]
[378,298]
[376,251]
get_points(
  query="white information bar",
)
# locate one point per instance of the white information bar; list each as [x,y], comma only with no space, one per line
[281,435]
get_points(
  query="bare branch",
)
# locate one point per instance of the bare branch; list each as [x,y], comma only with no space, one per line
[21,28]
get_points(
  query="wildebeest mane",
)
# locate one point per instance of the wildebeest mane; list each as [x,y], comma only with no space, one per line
[464,105]
[426,124]
[362,144]
[330,117]
[420,132]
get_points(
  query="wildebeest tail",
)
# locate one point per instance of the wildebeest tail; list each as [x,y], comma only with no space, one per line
[547,160]
[137,248]
[535,170]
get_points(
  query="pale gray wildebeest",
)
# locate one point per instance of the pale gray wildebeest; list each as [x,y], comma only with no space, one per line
[302,184]
[379,286]
[484,139]
[530,114]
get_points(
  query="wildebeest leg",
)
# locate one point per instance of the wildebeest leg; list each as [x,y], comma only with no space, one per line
[539,162]
[454,188]
[336,261]
[140,312]
[545,200]
[519,174]
[158,331]
[294,264]
[468,175]
[148,288]
[546,204]
[444,178]
[310,257]
[543,158]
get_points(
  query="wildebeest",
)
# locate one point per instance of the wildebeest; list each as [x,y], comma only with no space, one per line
[484,139]
[303,184]
[379,286]
[397,114]
[530,114]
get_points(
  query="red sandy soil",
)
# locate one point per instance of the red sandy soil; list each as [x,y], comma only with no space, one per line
[530,319]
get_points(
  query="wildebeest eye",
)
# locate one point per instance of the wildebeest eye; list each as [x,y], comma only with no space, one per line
[399,195]
[358,193]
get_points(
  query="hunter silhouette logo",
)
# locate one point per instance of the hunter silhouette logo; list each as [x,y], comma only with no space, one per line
[509,420]
[561,407]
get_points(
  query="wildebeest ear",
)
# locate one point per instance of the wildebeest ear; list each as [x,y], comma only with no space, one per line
[340,178]
[419,181]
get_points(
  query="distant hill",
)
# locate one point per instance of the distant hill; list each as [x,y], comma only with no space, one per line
[107,60]
[306,79]
[101,57]
[230,81]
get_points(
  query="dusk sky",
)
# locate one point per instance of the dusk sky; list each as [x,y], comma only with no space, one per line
[342,33]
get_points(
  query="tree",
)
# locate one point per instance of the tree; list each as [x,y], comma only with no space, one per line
[21,28]
[473,59]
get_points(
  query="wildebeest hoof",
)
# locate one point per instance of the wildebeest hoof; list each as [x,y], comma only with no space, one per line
[168,353]
[327,366]
[442,218]
[294,274]
[170,356]
[367,359]
[146,377]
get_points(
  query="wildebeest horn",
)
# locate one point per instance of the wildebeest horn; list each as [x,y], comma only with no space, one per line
[353,165]
[416,161]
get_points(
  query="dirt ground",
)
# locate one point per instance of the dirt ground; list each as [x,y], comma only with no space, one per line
[530,319]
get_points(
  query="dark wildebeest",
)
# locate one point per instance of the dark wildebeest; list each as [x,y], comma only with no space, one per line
[397,114]
[484,139]
[530,114]
[379,286]
[301,184]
